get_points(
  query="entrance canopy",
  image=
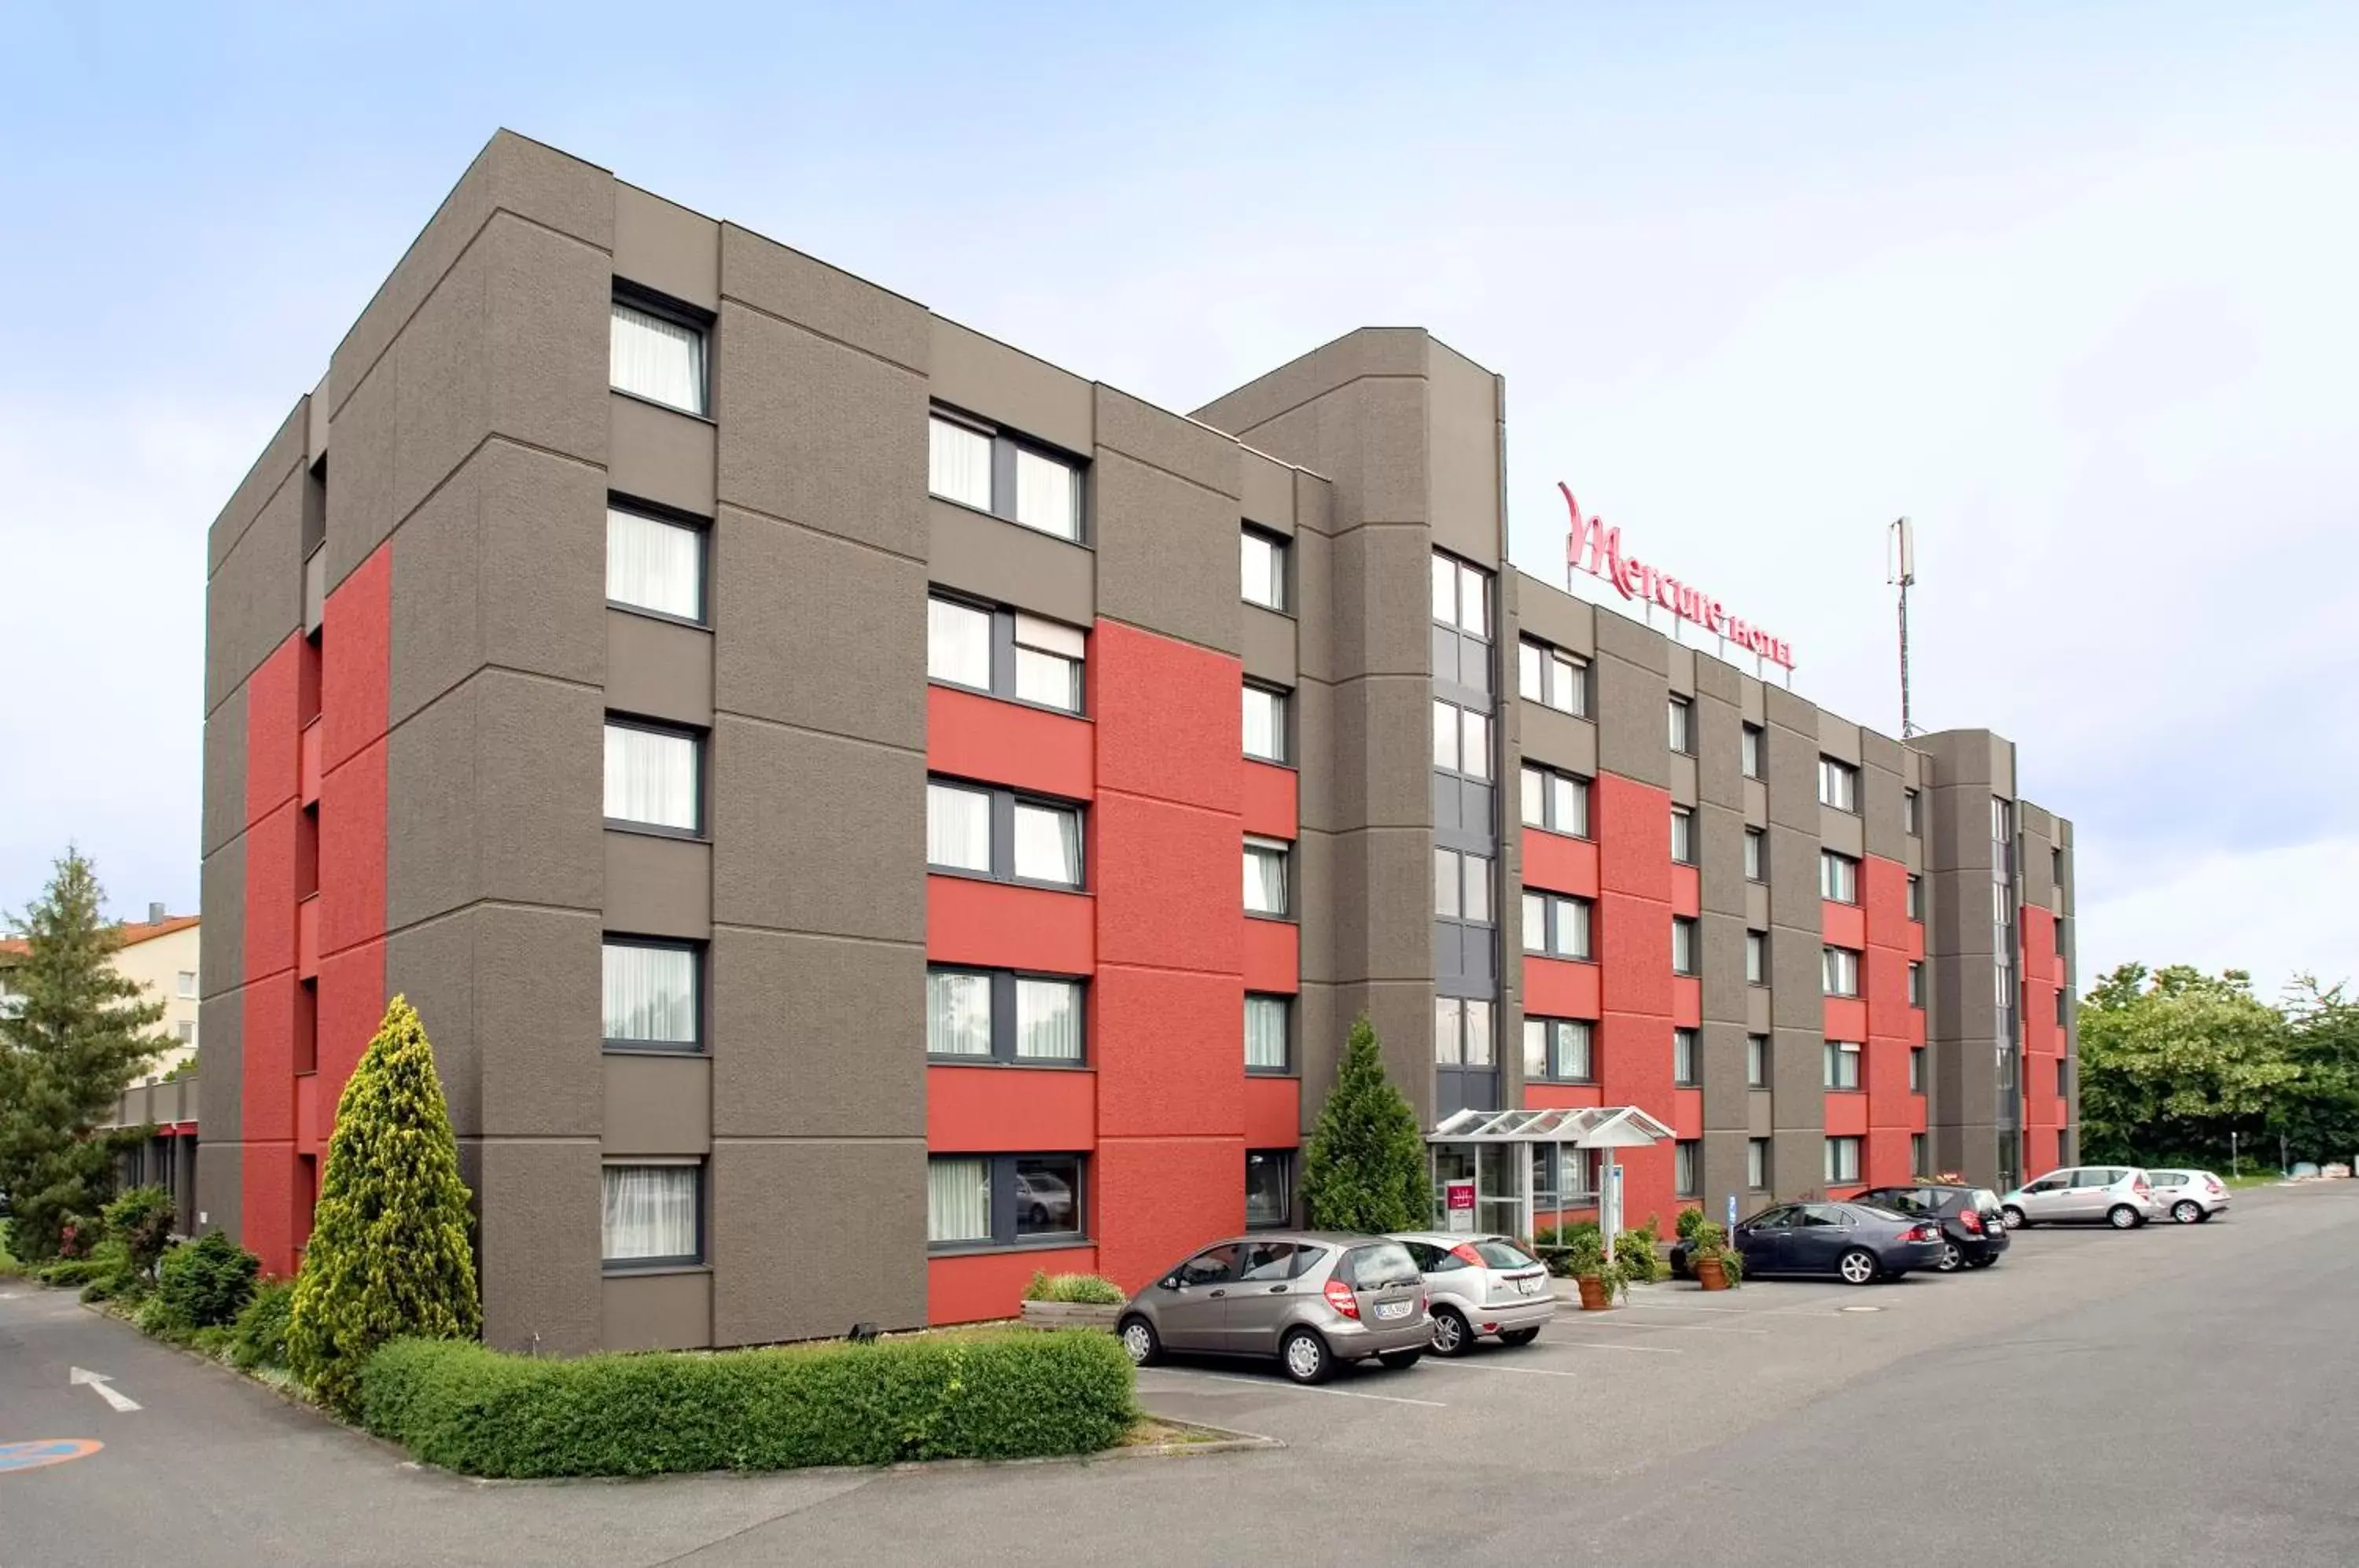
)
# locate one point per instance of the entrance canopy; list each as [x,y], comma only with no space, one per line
[1590,1127]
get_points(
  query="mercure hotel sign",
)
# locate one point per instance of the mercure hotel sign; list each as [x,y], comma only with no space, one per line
[1592,547]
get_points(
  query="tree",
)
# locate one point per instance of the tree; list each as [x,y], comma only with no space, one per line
[2173,1061]
[389,1256]
[1365,1168]
[79,1035]
[2322,1121]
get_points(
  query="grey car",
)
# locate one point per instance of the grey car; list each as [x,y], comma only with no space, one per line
[2117,1196]
[2187,1196]
[1479,1285]
[1311,1299]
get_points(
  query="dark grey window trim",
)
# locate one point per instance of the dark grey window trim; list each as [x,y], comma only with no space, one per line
[1548,801]
[700,1001]
[1003,1029]
[704,779]
[1004,444]
[1761,837]
[1004,801]
[700,1259]
[1695,1057]
[1003,654]
[1291,914]
[1762,1079]
[1693,1148]
[1754,739]
[1694,829]
[653,511]
[1552,907]
[639,297]
[1582,676]
[1695,946]
[1681,700]
[1292,1069]
[1286,744]
[1285,556]
[1288,1163]
[1549,1021]
[1004,1237]
[1763,937]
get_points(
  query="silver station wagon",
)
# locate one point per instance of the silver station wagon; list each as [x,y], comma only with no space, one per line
[1311,1299]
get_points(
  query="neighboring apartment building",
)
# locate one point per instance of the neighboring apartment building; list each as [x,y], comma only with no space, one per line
[158,955]
[798,755]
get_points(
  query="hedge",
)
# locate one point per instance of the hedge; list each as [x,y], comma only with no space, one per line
[1003,1396]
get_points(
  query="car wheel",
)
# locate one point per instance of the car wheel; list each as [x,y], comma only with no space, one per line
[1038,1216]
[1984,1261]
[1399,1360]
[2121,1216]
[1452,1337]
[2014,1217]
[1140,1340]
[2187,1210]
[1306,1358]
[1518,1335]
[1951,1258]
[1857,1267]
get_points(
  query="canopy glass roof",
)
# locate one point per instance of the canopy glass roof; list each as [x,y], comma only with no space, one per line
[1588,1126]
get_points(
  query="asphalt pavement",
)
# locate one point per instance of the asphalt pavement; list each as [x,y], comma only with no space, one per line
[2174,1396]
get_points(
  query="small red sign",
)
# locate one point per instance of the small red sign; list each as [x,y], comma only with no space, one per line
[1459,1194]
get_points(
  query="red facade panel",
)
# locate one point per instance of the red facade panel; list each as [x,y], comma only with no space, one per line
[356,667]
[1273,1109]
[1846,1114]
[1555,1097]
[1007,743]
[1159,1199]
[1170,884]
[1633,946]
[1687,1001]
[1560,988]
[989,1284]
[1687,890]
[971,921]
[1843,925]
[1270,805]
[1272,956]
[1171,1054]
[1559,863]
[1167,718]
[1846,1018]
[272,764]
[1009,1110]
[1686,1112]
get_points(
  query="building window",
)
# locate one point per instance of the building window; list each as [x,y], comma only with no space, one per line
[1001,835]
[1682,729]
[1552,676]
[1917,898]
[1556,801]
[654,564]
[1005,653]
[1462,1033]
[1756,1061]
[2059,937]
[984,1015]
[653,779]
[1756,958]
[1461,596]
[1917,984]
[1841,972]
[1842,1064]
[1461,885]
[1461,740]
[2056,867]
[1270,1187]
[992,471]
[1920,1167]
[1748,751]
[187,982]
[1911,823]
[1268,1048]
[1685,956]
[1262,563]
[1916,1069]
[958,644]
[958,1013]
[187,1032]
[1683,835]
[1757,855]
[1686,1047]
[1756,1164]
[1838,785]
[1558,1050]
[1842,1161]
[1266,724]
[2062,1015]
[1556,926]
[654,1213]
[1838,878]
[1266,875]
[1003,1200]
[1048,663]
[1685,1183]
[650,996]
[658,353]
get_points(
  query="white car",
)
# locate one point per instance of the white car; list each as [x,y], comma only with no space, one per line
[2117,1196]
[2189,1196]
[1480,1286]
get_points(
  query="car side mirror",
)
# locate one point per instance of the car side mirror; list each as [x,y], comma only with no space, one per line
[1168,1282]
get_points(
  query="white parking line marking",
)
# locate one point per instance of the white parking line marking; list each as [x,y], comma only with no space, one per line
[1675,1327]
[1680,1307]
[1520,1371]
[1630,1349]
[1304,1389]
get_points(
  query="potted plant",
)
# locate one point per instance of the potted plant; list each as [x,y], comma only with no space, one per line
[1072,1301]
[1599,1281]
[1716,1265]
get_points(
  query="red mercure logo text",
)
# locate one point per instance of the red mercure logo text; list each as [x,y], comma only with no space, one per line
[1594,548]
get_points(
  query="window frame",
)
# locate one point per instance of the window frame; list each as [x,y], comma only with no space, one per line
[1462,875]
[1003,801]
[184,984]
[1549,778]
[1917,984]
[1465,571]
[1687,1058]
[1687,1167]
[1556,670]
[697,1259]
[1756,946]
[1006,1030]
[1553,1047]
[1285,1160]
[686,522]
[1838,878]
[1286,1067]
[1281,566]
[1758,1051]
[1757,1165]
[1284,699]
[1749,757]
[1912,807]
[1829,965]
[1843,778]
[1918,1062]
[1005,446]
[698,987]
[1551,919]
[1834,1055]
[1457,1056]
[696,739]
[1757,855]
[1843,1143]
[1001,1206]
[1683,817]
[1284,850]
[1915,897]
[1679,725]
[1693,930]
[679,313]
[1002,651]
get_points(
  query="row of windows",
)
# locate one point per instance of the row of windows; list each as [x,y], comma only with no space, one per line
[1840,1163]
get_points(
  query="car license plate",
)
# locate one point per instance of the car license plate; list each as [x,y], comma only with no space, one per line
[1392,1308]
[1528,1286]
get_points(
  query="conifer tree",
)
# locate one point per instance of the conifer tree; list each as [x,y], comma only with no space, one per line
[1365,1169]
[72,1040]
[389,1256]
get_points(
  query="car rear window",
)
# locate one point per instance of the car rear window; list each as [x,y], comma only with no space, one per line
[1985,1200]
[1373,1268]
[1501,1254]
[2166,1178]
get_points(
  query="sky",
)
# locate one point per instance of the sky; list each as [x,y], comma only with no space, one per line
[2073,287]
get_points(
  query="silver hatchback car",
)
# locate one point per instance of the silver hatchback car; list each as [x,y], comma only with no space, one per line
[2189,1196]
[1311,1299]
[2117,1196]
[1478,1285]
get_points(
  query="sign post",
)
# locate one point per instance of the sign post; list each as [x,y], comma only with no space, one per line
[1609,1211]
[1458,1203]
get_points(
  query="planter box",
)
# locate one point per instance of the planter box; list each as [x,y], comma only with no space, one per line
[1070,1314]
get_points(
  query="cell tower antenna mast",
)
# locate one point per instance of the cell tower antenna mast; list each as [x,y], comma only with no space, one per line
[1900,569]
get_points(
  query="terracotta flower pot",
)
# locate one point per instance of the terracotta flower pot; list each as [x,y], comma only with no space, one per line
[1595,1296]
[1710,1275]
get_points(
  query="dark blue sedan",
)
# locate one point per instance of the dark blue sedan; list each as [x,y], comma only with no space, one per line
[1856,1243]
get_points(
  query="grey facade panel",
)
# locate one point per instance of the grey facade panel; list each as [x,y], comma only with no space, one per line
[1554,616]
[1167,550]
[1011,388]
[792,286]
[816,1037]
[1464,404]
[667,248]
[537,1004]
[281,460]
[1718,764]
[1203,456]
[1557,740]
[223,814]
[667,1309]
[658,885]
[1372,782]
[864,876]
[1365,351]
[540,1244]
[220,1183]
[1268,646]
[656,1104]
[221,1027]
[1382,599]
[1265,492]
[1020,567]
[660,455]
[433,965]
[1792,765]
[778,1229]
[659,668]
[1844,832]
[254,601]
[1633,712]
[1720,842]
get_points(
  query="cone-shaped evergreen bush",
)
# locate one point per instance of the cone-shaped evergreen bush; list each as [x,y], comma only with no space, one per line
[1365,1168]
[389,1256]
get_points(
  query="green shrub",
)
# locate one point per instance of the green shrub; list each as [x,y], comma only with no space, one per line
[155,1317]
[1691,1220]
[10,1265]
[1005,1396]
[1556,1244]
[389,1256]
[1635,1255]
[258,1338]
[208,1282]
[106,1263]
[141,1220]
[108,1274]
[1093,1290]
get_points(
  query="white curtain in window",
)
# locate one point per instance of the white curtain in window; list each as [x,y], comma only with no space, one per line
[1261,567]
[654,358]
[1266,1032]
[958,1200]
[1448,1014]
[1532,661]
[1474,759]
[958,463]
[1535,924]
[651,777]
[650,1212]
[958,1014]
[1572,927]
[958,827]
[1048,495]
[1264,725]
[650,994]
[653,565]
[1048,678]
[1048,1020]
[1049,843]
[1478,1034]
[1571,805]
[1535,1049]
[1565,684]
[1265,877]
[1476,904]
[958,644]
[1534,785]
[1573,1049]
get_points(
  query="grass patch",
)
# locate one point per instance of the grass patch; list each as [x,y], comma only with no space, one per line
[1152,1431]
